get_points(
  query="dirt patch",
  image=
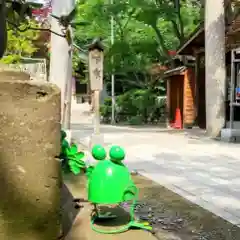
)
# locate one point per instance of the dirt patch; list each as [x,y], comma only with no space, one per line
[175,218]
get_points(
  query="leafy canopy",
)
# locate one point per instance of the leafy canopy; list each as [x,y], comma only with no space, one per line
[20,44]
[144,33]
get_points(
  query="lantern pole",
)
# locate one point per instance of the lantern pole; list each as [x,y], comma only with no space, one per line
[96,84]
[112,75]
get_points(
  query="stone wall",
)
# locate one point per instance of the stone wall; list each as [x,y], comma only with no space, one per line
[36,68]
[30,178]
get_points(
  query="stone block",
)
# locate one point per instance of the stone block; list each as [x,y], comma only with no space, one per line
[30,174]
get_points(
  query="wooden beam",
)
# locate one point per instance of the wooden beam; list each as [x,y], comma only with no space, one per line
[232,32]
[199,50]
[193,37]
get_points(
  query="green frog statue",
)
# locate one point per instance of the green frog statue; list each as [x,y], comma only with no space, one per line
[110,182]
[72,159]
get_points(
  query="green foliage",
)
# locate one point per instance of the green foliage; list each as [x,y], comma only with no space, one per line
[72,160]
[20,44]
[89,171]
[145,30]
[171,22]
[75,159]
[136,107]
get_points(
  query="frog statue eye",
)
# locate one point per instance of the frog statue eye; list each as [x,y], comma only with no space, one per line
[98,152]
[116,154]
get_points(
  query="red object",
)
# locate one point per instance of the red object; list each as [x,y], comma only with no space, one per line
[42,11]
[172,52]
[178,119]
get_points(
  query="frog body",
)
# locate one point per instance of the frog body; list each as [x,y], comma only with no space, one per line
[110,181]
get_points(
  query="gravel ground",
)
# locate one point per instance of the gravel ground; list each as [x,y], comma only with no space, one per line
[172,217]
[175,218]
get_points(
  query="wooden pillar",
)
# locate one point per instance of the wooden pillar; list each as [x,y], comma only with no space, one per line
[215,66]
[168,103]
[196,90]
[30,179]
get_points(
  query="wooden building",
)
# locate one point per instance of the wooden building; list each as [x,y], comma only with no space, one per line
[180,95]
[186,85]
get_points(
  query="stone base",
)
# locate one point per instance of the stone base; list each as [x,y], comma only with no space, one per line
[230,135]
[30,174]
[188,125]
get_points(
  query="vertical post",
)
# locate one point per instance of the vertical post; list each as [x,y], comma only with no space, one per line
[96,83]
[196,84]
[96,112]
[112,76]
[59,61]
[168,103]
[232,96]
[3,32]
[68,95]
[215,66]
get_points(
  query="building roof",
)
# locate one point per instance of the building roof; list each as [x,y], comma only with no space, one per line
[197,39]
[175,71]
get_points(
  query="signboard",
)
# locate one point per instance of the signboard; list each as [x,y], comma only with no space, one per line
[96,70]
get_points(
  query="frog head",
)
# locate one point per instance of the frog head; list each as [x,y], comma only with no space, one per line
[109,180]
[116,153]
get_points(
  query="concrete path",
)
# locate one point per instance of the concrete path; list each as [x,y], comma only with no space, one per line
[201,170]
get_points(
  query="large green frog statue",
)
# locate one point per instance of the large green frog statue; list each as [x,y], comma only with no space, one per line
[110,183]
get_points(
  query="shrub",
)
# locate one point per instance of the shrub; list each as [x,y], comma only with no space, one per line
[136,107]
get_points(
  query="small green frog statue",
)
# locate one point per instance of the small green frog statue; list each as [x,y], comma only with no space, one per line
[110,182]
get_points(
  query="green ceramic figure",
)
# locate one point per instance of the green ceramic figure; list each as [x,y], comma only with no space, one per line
[110,182]
[72,159]
[64,147]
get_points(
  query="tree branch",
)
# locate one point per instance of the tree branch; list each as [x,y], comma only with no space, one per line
[177,27]
[161,42]
[129,17]
[177,6]
[33,28]
[122,27]
[176,30]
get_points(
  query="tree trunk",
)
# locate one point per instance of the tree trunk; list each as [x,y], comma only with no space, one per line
[215,66]
[29,172]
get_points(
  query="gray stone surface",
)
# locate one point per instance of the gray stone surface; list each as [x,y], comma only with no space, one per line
[203,171]
[29,171]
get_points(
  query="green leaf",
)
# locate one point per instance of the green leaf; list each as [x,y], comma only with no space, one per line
[80,164]
[73,148]
[20,44]
[80,155]
[75,170]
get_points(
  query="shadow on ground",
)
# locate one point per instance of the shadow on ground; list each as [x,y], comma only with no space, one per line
[173,217]
[69,210]
[81,228]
